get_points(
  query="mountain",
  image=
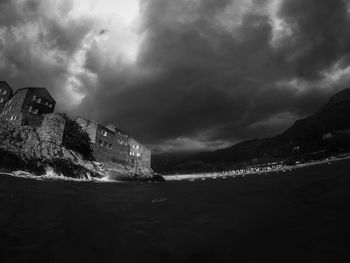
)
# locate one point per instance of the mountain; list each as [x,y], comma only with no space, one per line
[324,133]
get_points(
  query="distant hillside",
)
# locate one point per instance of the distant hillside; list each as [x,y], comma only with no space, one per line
[325,132]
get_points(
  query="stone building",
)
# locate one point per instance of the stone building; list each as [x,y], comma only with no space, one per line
[108,143]
[52,128]
[5,94]
[140,156]
[28,106]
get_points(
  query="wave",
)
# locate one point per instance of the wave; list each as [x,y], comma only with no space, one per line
[51,175]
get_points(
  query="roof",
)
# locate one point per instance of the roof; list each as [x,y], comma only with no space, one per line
[103,126]
[37,88]
[5,83]
[116,130]
[89,121]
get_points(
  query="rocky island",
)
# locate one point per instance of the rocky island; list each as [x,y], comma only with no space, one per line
[35,140]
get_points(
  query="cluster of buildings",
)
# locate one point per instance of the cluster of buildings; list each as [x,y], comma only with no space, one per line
[28,107]
[110,144]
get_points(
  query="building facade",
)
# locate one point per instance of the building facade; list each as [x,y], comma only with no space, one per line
[111,144]
[107,142]
[5,94]
[28,106]
[140,156]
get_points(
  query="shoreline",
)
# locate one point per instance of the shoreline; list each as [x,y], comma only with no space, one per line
[50,176]
[53,177]
[224,175]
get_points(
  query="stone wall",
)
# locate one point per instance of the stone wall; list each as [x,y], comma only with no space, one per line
[52,128]
[146,159]
[5,94]
[14,106]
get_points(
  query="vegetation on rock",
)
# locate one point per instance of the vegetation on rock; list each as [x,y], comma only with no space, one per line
[76,139]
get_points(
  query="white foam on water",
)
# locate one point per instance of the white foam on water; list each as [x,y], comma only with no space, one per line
[51,175]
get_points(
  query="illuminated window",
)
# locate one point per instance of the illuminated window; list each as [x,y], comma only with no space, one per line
[13,118]
[36,99]
[104,133]
[33,110]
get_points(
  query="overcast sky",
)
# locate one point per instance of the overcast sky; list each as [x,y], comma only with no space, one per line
[180,75]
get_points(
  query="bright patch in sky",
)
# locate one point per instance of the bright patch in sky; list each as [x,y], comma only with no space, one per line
[125,10]
[120,41]
[119,19]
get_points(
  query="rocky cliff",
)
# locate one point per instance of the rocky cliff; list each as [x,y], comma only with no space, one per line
[25,148]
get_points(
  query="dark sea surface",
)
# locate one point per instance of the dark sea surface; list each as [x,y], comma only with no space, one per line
[296,216]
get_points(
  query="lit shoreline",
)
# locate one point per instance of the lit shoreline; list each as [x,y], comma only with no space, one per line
[233,174]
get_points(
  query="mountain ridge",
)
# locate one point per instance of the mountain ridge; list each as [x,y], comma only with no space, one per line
[305,137]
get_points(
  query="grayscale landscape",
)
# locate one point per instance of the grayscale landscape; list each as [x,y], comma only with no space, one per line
[174,131]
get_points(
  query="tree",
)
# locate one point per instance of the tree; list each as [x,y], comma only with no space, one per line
[76,139]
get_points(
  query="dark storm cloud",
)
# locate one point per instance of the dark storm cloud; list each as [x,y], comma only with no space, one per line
[38,42]
[208,73]
[218,79]
[321,31]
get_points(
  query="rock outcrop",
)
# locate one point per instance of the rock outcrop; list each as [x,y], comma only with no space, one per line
[25,148]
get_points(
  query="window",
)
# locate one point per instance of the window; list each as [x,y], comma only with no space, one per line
[36,99]
[104,133]
[135,146]
[4,91]
[1,100]
[100,142]
[13,118]
[138,154]
[33,110]
[48,104]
